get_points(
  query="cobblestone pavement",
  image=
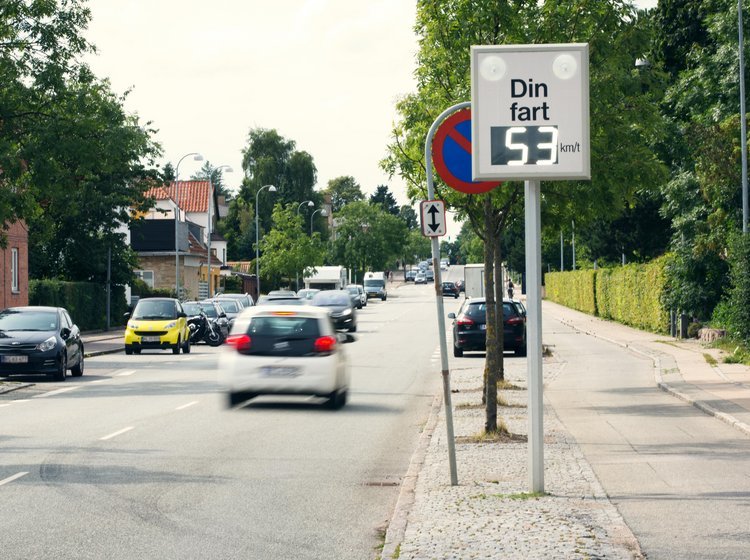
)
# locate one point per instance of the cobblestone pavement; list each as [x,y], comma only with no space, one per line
[490,514]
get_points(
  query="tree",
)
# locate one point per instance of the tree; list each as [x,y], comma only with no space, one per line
[287,251]
[409,216]
[624,121]
[385,199]
[268,159]
[368,238]
[216,175]
[343,191]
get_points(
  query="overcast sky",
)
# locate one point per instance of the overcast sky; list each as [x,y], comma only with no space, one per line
[324,73]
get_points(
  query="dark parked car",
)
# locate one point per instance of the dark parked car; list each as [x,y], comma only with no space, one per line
[470,327]
[450,289]
[340,307]
[410,275]
[40,340]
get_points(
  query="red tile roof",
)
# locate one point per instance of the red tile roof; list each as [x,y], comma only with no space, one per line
[193,195]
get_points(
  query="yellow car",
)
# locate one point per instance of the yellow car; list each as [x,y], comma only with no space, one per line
[157,323]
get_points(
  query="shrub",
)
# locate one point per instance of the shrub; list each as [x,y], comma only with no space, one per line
[736,313]
[574,289]
[693,329]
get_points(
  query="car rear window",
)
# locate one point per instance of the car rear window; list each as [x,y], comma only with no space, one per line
[282,335]
[229,305]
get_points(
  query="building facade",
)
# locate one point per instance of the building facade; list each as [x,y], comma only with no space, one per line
[14,277]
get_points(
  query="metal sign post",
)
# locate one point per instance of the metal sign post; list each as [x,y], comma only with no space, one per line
[530,122]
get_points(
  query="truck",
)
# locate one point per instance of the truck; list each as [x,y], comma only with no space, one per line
[325,278]
[375,285]
[474,280]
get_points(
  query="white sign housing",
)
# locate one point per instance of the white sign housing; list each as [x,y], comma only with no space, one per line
[530,112]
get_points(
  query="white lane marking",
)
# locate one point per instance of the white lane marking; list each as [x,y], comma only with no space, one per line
[12,478]
[117,433]
[3,405]
[56,392]
[125,373]
[184,406]
[20,400]
[99,381]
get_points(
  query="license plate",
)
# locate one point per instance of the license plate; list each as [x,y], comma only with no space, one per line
[150,339]
[483,327]
[15,359]
[279,371]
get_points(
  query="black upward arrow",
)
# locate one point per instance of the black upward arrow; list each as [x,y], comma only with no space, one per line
[433,224]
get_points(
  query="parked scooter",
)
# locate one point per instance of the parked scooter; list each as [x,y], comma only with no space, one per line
[204,329]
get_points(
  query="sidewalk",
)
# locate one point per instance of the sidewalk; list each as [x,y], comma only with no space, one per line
[489,514]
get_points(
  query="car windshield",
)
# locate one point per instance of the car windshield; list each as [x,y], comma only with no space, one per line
[191,308]
[354,290]
[331,298]
[374,283]
[16,320]
[307,294]
[155,310]
[230,306]
[209,309]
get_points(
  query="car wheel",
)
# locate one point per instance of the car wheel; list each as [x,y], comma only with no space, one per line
[77,370]
[62,369]
[337,399]
[128,349]
[353,328]
[136,350]
[383,298]
[186,347]
[176,347]
[233,399]
[457,352]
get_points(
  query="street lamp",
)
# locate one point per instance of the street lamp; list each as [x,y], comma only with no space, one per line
[228,169]
[270,188]
[322,211]
[309,203]
[196,157]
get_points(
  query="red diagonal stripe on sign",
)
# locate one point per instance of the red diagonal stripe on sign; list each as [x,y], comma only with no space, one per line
[459,139]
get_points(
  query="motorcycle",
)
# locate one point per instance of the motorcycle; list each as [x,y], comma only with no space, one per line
[204,329]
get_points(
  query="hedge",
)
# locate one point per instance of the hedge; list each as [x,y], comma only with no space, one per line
[630,294]
[86,302]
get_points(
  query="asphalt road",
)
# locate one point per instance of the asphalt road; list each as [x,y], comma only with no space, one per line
[680,478]
[141,458]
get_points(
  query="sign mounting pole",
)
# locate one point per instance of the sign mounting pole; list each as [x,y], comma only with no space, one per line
[439,294]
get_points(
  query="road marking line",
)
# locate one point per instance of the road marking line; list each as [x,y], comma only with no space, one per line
[184,406]
[98,381]
[117,433]
[12,478]
[2,405]
[125,373]
[21,400]
[55,392]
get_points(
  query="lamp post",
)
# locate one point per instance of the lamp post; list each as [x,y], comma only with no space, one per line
[196,157]
[743,118]
[270,188]
[322,211]
[228,169]
[310,204]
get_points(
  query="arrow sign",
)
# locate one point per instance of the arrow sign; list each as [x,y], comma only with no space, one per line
[433,218]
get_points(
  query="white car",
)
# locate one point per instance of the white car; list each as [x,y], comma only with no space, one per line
[283,350]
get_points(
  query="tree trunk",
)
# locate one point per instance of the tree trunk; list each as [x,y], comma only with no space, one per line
[491,364]
[500,371]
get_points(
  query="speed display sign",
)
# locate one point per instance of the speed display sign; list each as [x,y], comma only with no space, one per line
[530,112]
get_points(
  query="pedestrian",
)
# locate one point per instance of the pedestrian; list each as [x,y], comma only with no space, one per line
[510,288]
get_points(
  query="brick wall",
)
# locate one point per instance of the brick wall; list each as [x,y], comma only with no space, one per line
[163,267]
[18,238]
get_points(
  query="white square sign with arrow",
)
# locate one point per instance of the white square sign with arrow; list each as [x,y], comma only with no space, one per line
[433,218]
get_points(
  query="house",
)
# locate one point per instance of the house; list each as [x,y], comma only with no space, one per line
[14,270]
[154,237]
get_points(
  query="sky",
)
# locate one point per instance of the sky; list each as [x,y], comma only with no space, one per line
[323,73]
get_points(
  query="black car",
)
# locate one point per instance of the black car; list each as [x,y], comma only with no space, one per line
[470,327]
[40,340]
[341,309]
[450,289]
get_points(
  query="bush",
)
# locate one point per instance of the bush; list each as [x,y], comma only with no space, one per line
[574,289]
[693,329]
[86,302]
[736,312]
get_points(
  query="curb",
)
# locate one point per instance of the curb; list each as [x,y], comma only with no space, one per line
[394,535]
[666,387]
[4,390]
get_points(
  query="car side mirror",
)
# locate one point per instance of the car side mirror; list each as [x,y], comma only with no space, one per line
[451,315]
[181,314]
[126,314]
[65,333]
[223,315]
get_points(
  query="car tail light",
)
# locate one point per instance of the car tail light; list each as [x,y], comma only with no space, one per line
[239,341]
[464,321]
[325,344]
[514,321]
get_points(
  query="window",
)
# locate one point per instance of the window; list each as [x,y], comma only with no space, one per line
[147,276]
[14,270]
